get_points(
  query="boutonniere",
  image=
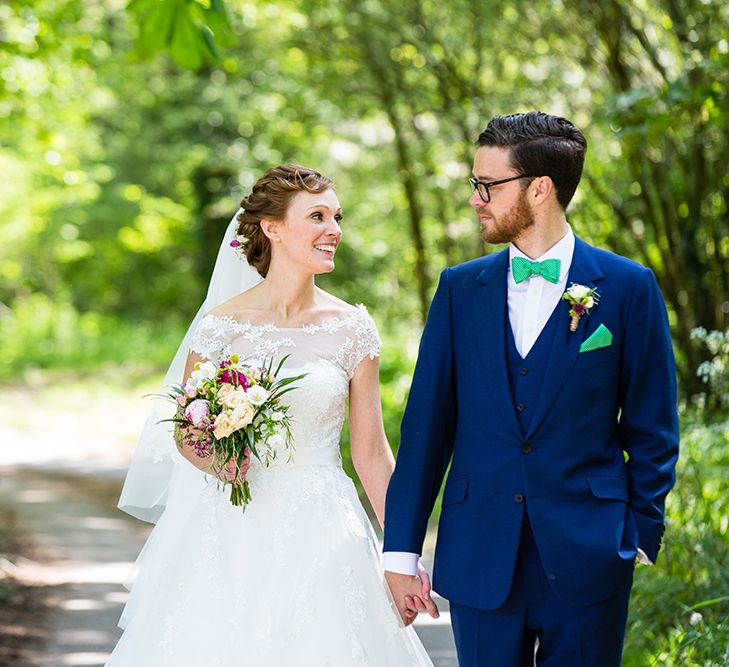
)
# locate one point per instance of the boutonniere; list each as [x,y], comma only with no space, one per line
[581,299]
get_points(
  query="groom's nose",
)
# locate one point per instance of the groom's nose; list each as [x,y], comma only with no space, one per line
[476,200]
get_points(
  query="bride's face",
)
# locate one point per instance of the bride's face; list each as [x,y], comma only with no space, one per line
[310,232]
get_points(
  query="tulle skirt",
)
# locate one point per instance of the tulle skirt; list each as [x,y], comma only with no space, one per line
[296,579]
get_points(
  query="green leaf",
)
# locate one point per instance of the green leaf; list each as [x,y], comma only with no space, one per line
[209,40]
[186,47]
[158,26]
[280,364]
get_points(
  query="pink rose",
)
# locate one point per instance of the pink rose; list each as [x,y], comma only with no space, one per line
[190,391]
[181,400]
[198,412]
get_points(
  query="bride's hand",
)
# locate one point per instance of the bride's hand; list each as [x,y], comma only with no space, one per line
[229,472]
[424,582]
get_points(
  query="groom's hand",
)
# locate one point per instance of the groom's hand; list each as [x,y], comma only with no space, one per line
[411,595]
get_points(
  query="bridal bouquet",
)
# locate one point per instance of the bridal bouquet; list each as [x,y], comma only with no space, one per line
[237,411]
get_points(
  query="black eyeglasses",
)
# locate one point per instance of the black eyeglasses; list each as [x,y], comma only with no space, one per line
[483,188]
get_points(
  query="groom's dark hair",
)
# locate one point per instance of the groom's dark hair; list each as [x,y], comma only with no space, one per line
[541,145]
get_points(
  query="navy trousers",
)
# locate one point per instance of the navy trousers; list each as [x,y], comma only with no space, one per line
[569,636]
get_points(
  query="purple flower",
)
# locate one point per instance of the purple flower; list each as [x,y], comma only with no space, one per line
[579,308]
[198,412]
[202,448]
[234,243]
[225,376]
[243,381]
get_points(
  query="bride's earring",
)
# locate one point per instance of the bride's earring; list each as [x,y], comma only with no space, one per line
[278,238]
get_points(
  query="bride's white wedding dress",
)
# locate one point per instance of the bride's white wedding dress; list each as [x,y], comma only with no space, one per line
[296,579]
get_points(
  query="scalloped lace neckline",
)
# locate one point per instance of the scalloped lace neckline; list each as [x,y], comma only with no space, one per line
[328,324]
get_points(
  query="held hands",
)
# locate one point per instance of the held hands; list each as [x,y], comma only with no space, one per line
[411,594]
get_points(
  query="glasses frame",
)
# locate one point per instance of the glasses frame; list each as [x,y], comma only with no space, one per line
[476,185]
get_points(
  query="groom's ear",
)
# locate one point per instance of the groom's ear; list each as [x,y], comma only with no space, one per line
[540,189]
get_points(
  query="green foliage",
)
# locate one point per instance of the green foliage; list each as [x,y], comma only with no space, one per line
[714,372]
[50,334]
[680,608]
[189,30]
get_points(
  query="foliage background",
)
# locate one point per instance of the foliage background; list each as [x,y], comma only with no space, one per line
[129,132]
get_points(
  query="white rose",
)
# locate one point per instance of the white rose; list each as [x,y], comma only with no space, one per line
[223,426]
[224,390]
[276,441]
[257,395]
[233,398]
[578,291]
[242,416]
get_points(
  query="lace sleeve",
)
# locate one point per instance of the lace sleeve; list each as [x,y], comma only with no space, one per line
[362,341]
[211,338]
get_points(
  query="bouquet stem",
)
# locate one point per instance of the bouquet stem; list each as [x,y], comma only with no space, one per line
[240,493]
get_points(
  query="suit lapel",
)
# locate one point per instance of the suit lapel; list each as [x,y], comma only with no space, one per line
[489,305]
[584,270]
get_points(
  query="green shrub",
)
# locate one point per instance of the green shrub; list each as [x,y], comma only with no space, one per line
[680,608]
[41,333]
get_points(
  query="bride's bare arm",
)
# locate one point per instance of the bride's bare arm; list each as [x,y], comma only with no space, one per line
[374,463]
[371,454]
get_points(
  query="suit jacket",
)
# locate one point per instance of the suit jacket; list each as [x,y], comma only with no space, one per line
[593,467]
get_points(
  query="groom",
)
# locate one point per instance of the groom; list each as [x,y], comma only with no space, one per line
[546,380]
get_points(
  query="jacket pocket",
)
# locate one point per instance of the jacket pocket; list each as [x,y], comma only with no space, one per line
[455,491]
[615,488]
[601,354]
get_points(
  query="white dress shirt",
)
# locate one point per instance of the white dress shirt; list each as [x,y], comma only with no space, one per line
[530,305]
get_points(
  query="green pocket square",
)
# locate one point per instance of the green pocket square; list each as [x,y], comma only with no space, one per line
[601,337]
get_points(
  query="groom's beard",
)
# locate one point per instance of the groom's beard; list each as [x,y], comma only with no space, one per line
[511,225]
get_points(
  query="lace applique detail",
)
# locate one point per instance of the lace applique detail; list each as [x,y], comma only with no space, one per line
[363,341]
[355,599]
[214,334]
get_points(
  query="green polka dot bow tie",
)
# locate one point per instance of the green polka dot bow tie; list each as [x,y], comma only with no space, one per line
[522,268]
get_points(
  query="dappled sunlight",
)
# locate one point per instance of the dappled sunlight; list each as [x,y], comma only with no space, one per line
[102,523]
[73,572]
[83,659]
[83,605]
[35,496]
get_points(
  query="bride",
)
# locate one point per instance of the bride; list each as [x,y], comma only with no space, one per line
[296,579]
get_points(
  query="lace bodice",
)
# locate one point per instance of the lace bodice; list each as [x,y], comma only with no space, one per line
[328,353]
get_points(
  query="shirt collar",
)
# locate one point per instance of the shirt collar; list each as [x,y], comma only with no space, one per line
[562,250]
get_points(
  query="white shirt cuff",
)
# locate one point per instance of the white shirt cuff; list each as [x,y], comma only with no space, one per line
[643,558]
[400,562]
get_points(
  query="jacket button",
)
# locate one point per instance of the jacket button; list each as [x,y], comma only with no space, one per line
[520,407]
[526,448]
[524,371]
[518,498]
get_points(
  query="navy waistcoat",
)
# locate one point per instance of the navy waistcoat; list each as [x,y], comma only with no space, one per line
[526,375]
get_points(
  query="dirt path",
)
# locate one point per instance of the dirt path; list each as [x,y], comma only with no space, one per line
[85,548]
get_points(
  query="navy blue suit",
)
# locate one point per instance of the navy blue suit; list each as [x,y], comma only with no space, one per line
[583,465]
